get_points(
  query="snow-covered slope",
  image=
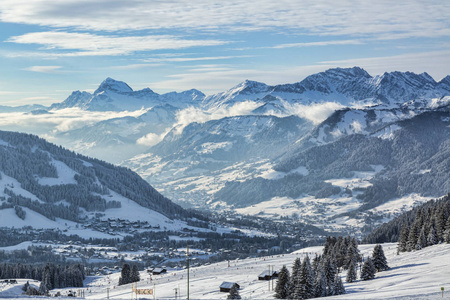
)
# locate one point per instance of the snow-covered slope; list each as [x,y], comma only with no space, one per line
[204,156]
[45,186]
[358,179]
[412,275]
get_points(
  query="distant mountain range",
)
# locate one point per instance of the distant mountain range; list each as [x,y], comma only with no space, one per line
[339,146]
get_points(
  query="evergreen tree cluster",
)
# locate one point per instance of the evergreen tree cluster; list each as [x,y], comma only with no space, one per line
[51,276]
[321,277]
[376,263]
[129,274]
[423,226]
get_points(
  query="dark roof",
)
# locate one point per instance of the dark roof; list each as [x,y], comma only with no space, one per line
[267,273]
[228,285]
[159,270]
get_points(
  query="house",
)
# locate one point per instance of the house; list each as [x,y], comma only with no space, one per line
[158,271]
[226,286]
[268,275]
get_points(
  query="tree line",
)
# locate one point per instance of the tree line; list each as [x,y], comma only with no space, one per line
[51,276]
[423,226]
[321,277]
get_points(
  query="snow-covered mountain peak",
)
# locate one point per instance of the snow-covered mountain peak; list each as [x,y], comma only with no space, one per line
[346,72]
[407,79]
[249,87]
[113,85]
[445,83]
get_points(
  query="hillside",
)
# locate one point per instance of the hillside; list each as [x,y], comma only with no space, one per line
[43,185]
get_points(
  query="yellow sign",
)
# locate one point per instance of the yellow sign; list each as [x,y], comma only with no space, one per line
[143,291]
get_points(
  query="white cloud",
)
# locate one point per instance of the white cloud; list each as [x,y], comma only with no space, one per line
[136,66]
[193,114]
[315,44]
[188,59]
[316,112]
[44,69]
[320,17]
[59,120]
[150,139]
[87,44]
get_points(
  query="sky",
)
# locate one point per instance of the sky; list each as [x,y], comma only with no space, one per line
[50,48]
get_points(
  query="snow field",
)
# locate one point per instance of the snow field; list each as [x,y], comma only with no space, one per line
[412,275]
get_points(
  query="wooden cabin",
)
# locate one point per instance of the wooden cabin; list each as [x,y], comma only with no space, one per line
[226,286]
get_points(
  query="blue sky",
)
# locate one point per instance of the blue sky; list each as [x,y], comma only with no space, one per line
[50,48]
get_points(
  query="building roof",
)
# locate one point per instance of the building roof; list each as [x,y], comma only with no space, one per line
[227,285]
[267,273]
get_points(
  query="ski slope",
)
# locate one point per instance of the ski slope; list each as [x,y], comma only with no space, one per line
[414,275]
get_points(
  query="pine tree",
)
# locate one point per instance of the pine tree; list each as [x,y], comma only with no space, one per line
[135,274]
[351,273]
[368,270]
[447,231]
[330,273]
[432,237]
[283,284]
[294,277]
[320,285]
[125,277]
[234,293]
[338,286]
[352,253]
[422,240]
[379,259]
[305,288]
[414,232]
[43,290]
[403,239]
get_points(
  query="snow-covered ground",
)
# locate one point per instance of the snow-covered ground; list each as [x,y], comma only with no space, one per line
[413,275]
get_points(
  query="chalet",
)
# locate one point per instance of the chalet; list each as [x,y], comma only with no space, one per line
[159,271]
[268,275]
[226,286]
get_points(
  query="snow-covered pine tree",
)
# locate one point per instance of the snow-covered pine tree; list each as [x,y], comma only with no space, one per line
[282,288]
[351,273]
[135,274]
[447,231]
[234,293]
[368,270]
[432,237]
[43,290]
[379,259]
[422,240]
[125,275]
[330,273]
[352,253]
[295,277]
[403,238]
[338,286]
[320,285]
[305,288]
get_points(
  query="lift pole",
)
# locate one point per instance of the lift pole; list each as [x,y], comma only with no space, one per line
[187,262]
